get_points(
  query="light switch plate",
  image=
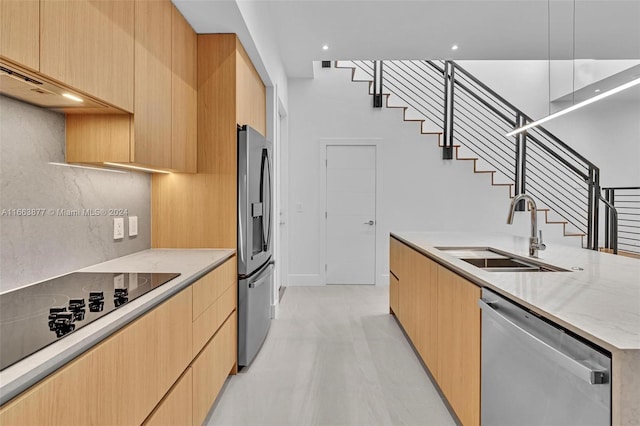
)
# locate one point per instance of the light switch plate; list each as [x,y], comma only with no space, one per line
[133,226]
[118,228]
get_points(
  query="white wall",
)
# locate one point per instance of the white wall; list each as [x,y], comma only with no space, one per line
[607,132]
[420,191]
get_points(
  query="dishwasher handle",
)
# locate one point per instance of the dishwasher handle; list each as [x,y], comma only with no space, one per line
[594,376]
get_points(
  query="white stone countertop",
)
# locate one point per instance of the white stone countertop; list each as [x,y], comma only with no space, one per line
[600,303]
[192,264]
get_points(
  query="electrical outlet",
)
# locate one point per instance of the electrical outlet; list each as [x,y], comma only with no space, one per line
[133,226]
[118,228]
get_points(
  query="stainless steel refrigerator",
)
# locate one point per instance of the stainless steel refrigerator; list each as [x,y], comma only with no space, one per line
[255,229]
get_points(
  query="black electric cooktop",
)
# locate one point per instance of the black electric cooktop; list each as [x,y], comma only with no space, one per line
[38,315]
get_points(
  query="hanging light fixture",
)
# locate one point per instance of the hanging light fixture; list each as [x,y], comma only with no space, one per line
[574,106]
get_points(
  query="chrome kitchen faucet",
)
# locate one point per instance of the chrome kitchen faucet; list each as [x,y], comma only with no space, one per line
[535,244]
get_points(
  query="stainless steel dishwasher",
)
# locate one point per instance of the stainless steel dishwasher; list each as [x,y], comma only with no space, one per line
[535,373]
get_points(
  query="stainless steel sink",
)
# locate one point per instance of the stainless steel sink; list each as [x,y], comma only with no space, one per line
[493,260]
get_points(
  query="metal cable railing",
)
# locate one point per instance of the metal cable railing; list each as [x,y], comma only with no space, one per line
[622,219]
[475,117]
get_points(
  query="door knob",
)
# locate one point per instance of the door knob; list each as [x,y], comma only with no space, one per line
[371,222]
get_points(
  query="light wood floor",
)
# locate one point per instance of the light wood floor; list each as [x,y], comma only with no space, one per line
[334,356]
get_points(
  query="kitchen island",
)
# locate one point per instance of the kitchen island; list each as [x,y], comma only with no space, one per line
[598,299]
[202,298]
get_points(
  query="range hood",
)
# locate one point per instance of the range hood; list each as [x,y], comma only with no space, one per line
[34,89]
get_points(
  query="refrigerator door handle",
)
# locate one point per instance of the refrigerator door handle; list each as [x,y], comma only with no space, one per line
[265,199]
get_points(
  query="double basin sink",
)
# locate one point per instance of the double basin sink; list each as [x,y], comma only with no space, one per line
[493,260]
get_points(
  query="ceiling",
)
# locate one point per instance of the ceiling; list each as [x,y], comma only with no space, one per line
[426,29]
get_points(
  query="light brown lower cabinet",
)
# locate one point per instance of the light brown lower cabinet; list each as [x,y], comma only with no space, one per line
[459,344]
[440,315]
[211,368]
[146,373]
[176,408]
[120,381]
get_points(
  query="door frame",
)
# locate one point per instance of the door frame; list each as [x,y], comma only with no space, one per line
[323,143]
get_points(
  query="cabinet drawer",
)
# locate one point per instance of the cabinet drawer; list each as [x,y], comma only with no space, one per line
[212,367]
[206,324]
[213,285]
[176,408]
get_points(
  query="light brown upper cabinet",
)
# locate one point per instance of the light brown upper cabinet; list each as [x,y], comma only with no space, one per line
[152,108]
[19,32]
[161,134]
[200,210]
[184,95]
[89,45]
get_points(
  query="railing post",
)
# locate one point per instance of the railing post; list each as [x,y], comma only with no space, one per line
[520,162]
[607,219]
[449,76]
[614,221]
[593,208]
[377,84]
[611,221]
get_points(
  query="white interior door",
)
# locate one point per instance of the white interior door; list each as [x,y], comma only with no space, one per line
[351,214]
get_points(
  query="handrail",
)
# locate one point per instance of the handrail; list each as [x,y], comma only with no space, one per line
[515,109]
[558,157]
[564,145]
[474,116]
[488,89]
[518,111]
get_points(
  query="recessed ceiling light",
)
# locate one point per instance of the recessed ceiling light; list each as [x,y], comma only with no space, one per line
[325,47]
[597,90]
[72,97]
[454,47]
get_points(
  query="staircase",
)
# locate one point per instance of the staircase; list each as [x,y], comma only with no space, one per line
[471,121]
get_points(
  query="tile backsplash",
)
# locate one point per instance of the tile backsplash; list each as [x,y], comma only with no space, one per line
[56,219]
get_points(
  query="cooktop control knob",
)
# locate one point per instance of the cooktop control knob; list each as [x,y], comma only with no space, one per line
[53,314]
[76,304]
[96,296]
[63,323]
[96,306]
[64,318]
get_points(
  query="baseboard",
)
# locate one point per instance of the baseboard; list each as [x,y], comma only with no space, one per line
[305,280]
